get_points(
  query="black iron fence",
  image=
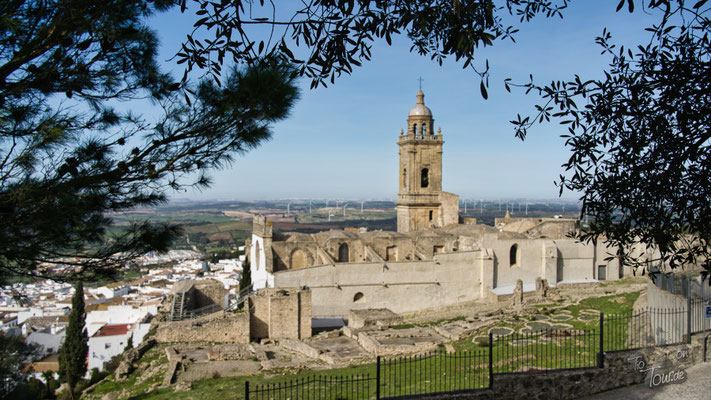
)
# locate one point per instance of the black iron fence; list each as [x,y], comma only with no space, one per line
[545,350]
[442,372]
[437,372]
[316,387]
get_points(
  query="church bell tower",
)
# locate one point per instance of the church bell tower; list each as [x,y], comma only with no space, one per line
[419,204]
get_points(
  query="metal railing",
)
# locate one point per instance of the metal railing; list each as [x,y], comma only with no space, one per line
[466,371]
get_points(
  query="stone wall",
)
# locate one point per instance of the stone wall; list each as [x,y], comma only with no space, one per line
[207,292]
[403,287]
[223,327]
[450,208]
[280,313]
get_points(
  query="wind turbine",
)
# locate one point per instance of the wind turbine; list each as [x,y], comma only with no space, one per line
[344,209]
[361,207]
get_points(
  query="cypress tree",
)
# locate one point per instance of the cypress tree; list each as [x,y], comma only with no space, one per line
[73,356]
[246,280]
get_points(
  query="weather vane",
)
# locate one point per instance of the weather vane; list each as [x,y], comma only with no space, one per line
[420,79]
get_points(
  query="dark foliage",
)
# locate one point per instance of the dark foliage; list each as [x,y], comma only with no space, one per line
[326,38]
[14,355]
[70,156]
[74,351]
[640,139]
[246,279]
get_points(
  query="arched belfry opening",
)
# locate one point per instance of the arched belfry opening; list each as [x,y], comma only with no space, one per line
[513,255]
[343,253]
[425,178]
[420,155]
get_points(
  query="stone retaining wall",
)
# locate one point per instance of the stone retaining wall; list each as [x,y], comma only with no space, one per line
[225,327]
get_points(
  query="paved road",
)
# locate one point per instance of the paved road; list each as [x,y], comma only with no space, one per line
[696,387]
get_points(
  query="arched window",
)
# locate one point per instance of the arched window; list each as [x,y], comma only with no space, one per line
[425,178]
[359,298]
[343,253]
[430,215]
[298,259]
[513,255]
[424,130]
[404,178]
[414,129]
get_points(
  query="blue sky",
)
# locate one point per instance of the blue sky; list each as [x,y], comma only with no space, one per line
[340,142]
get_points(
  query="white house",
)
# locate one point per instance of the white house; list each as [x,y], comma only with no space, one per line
[49,339]
[111,340]
[112,290]
[107,342]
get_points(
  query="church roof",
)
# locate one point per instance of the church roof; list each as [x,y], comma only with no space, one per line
[420,109]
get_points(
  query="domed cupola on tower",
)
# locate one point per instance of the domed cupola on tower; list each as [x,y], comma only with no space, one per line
[419,120]
[421,202]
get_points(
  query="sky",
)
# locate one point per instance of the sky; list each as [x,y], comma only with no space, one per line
[340,142]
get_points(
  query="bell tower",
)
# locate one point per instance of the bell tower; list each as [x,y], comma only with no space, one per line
[419,204]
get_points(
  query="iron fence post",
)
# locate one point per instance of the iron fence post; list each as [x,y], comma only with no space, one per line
[600,355]
[491,360]
[377,378]
[246,390]
[688,310]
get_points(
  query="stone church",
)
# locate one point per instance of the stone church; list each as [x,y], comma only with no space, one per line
[434,259]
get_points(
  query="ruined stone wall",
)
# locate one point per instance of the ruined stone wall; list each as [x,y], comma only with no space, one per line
[259,316]
[449,208]
[280,313]
[208,291]
[218,328]
[284,251]
[356,250]
[403,287]
[404,246]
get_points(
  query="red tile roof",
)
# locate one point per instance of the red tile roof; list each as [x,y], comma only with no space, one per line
[113,330]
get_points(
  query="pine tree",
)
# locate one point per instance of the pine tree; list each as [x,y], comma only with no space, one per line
[246,280]
[72,357]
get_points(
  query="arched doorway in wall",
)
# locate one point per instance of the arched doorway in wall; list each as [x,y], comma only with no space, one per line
[298,259]
[343,253]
